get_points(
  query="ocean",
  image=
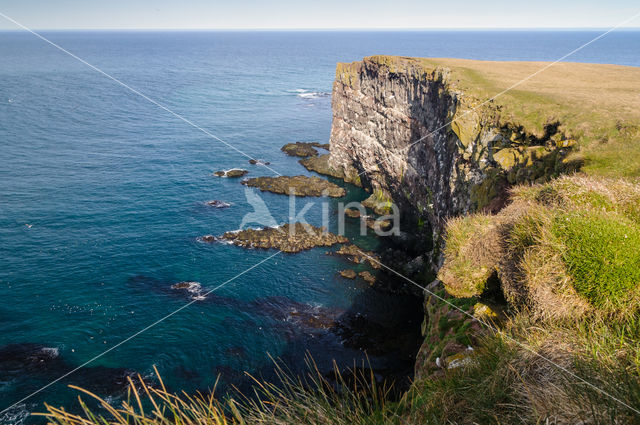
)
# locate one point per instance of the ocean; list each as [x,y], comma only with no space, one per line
[102,203]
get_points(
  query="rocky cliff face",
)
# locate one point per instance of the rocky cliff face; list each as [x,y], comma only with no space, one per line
[402,129]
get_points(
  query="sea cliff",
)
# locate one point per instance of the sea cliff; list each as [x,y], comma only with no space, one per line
[444,137]
[477,150]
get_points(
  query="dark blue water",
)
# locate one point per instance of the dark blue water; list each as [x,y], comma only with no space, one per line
[113,189]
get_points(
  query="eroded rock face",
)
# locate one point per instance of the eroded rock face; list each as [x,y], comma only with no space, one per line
[287,238]
[392,128]
[297,186]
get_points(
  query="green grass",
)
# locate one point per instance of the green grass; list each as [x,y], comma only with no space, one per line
[602,254]
[573,234]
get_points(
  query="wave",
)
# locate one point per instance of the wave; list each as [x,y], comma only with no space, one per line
[16,415]
[308,94]
[193,288]
[51,352]
[217,204]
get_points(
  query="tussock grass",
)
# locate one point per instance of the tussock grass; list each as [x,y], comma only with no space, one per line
[513,378]
[311,399]
[560,249]
[470,252]
[602,254]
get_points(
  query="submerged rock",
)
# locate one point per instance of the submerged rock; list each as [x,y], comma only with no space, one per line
[234,172]
[357,255]
[287,238]
[193,288]
[301,149]
[348,273]
[258,162]
[297,186]
[23,358]
[218,204]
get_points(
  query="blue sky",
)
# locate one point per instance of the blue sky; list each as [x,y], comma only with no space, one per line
[307,14]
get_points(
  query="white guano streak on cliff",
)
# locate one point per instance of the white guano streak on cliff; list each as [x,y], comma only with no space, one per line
[544,68]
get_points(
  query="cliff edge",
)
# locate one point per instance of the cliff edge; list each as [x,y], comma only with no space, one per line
[444,137]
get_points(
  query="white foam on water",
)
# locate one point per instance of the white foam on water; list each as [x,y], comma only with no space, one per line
[17,415]
[313,95]
[51,351]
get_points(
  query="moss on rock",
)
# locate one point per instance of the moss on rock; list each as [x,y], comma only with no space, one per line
[380,202]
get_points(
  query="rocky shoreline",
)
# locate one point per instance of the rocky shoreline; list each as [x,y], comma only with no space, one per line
[296,186]
[286,238]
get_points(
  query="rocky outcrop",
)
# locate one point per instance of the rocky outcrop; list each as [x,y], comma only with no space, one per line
[287,238]
[234,172]
[320,164]
[359,256]
[303,149]
[403,128]
[296,186]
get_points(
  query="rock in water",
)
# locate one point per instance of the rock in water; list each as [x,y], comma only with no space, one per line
[348,273]
[320,164]
[297,186]
[301,149]
[352,212]
[194,288]
[368,277]
[287,238]
[218,204]
[258,162]
[357,255]
[234,172]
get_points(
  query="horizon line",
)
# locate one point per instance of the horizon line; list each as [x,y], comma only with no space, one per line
[460,29]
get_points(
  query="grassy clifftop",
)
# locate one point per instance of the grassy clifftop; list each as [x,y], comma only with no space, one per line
[596,105]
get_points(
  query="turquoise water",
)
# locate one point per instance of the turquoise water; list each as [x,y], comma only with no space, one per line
[113,189]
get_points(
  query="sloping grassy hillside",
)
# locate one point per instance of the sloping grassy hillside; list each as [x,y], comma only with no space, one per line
[561,249]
